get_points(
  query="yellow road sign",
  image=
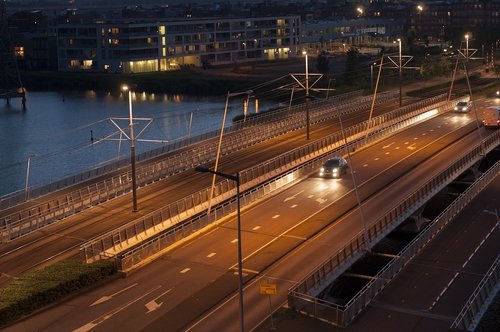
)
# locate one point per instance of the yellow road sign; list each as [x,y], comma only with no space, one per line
[268,289]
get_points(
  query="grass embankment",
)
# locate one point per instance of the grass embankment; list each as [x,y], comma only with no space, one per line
[39,288]
[186,81]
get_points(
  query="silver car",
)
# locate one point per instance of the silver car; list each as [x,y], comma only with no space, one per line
[463,106]
[333,168]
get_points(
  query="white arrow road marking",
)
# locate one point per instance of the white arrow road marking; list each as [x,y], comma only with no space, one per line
[109,297]
[153,305]
[292,197]
[412,147]
[95,322]
[321,200]
[388,145]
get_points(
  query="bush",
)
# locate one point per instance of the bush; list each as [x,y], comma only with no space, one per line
[38,288]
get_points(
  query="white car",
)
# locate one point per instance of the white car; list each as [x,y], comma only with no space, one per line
[463,106]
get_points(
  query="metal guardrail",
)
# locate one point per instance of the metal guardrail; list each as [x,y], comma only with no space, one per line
[41,215]
[127,236]
[476,305]
[302,296]
[18,197]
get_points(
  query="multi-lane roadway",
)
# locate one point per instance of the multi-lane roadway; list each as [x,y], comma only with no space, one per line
[284,238]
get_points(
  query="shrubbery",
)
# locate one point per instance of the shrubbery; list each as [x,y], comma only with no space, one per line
[38,288]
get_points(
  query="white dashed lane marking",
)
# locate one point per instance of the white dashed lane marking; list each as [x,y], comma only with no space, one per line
[365,165]
[376,158]
[276,216]
[211,255]
[185,270]
[234,241]
[294,206]
[256,228]
[310,196]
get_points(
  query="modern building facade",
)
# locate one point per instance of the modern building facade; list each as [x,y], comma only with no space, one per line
[133,47]
[339,35]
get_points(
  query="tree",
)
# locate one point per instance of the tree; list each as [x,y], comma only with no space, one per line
[322,63]
[496,69]
[351,73]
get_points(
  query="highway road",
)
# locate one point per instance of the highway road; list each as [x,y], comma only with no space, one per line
[431,290]
[63,239]
[283,239]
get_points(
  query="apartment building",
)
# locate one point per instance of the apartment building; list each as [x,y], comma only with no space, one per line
[134,47]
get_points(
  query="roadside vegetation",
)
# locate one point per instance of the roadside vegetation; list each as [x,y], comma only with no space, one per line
[38,288]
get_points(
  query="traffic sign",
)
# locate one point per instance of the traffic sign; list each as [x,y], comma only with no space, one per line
[268,289]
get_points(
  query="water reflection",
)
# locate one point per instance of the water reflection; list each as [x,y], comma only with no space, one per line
[58,127]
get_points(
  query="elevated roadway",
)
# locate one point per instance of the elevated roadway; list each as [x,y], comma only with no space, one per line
[63,239]
[283,239]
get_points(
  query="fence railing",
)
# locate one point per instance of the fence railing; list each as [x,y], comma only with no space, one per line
[296,163]
[18,197]
[476,305]
[302,296]
[35,217]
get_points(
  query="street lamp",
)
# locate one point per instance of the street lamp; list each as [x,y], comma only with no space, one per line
[132,145]
[360,11]
[400,74]
[235,178]
[467,48]
[371,74]
[420,9]
[307,95]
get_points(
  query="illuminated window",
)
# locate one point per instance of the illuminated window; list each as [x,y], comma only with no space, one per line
[19,52]
[87,63]
[162,30]
[114,41]
[114,30]
[164,51]
[163,41]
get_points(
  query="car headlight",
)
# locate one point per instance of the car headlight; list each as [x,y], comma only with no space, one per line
[455,108]
[335,170]
[322,169]
[464,109]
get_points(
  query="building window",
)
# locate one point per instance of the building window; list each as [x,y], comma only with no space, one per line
[162,29]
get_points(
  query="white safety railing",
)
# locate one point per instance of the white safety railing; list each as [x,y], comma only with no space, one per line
[471,314]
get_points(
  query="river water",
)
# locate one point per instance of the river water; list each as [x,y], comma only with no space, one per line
[55,130]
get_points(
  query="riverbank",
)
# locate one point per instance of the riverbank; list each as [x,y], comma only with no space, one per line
[190,80]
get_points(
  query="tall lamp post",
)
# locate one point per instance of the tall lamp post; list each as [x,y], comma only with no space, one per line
[420,9]
[307,94]
[400,74]
[467,48]
[128,88]
[235,178]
